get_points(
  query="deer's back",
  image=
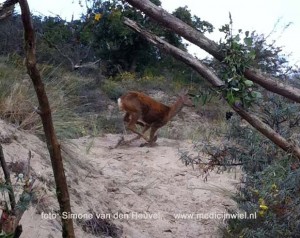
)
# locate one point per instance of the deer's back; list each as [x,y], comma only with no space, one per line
[150,110]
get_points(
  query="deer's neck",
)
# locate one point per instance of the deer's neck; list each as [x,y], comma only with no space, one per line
[175,108]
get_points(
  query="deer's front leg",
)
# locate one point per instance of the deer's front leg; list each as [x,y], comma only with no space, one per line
[132,127]
[153,138]
[146,128]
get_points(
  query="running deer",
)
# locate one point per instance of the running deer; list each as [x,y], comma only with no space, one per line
[145,111]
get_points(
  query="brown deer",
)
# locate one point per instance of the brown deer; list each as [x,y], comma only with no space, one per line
[145,111]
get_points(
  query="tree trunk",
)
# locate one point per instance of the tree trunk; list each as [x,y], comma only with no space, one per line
[45,113]
[196,37]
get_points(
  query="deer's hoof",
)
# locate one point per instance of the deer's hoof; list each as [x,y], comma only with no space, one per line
[121,141]
[148,144]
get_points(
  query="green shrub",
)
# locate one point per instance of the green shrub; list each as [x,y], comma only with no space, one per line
[271,182]
[113,89]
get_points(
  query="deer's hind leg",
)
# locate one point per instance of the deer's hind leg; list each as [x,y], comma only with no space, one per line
[126,117]
[133,120]
[146,128]
[153,138]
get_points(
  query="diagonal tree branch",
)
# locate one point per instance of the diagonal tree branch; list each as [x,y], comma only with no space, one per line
[174,24]
[196,37]
[273,84]
[267,131]
[213,79]
[177,53]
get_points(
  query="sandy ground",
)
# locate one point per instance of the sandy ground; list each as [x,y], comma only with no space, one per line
[145,192]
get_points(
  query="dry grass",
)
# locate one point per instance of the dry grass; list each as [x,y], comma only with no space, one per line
[18,103]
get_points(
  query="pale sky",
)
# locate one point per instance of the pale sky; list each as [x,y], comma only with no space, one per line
[259,15]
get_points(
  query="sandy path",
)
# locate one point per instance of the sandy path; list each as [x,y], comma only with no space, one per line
[141,190]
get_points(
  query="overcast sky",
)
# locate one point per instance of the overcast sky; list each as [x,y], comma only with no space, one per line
[259,15]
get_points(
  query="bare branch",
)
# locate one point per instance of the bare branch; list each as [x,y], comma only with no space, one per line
[60,52]
[73,65]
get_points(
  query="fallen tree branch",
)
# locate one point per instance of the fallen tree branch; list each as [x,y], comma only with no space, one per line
[273,84]
[89,65]
[267,131]
[177,53]
[215,81]
[176,25]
